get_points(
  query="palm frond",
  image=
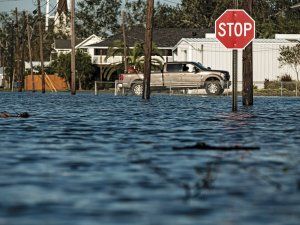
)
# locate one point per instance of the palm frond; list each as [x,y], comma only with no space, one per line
[113,68]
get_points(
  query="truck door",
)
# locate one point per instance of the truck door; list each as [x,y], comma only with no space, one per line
[156,79]
[173,76]
[191,76]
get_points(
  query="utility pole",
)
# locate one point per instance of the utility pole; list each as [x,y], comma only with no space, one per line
[17,68]
[124,41]
[41,47]
[11,50]
[73,66]
[47,15]
[248,64]
[30,53]
[22,48]
[148,49]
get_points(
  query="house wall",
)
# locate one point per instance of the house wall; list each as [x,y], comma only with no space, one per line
[100,59]
[213,54]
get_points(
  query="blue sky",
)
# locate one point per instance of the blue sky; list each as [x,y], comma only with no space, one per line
[30,5]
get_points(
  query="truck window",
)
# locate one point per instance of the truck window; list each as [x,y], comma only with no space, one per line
[174,67]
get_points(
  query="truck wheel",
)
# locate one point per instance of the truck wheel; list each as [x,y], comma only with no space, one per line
[137,89]
[213,88]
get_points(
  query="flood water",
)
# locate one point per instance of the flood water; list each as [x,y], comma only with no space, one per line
[90,160]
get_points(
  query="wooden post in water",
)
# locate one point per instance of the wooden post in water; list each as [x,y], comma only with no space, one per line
[147,50]
[29,35]
[41,47]
[17,68]
[247,92]
[22,48]
[73,66]
[124,41]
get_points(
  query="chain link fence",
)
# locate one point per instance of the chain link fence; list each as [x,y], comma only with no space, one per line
[267,88]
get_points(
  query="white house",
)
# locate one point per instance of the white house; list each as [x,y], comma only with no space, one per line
[211,53]
[63,46]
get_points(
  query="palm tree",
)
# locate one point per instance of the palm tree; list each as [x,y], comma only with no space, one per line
[135,59]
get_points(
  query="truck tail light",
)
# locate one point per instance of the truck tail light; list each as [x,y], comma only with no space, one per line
[121,77]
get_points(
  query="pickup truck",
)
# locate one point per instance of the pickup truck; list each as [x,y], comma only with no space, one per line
[179,75]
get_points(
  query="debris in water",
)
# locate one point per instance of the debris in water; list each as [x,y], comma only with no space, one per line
[204,146]
[7,114]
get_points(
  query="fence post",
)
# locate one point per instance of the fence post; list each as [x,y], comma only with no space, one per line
[296,88]
[227,88]
[116,92]
[96,93]
[281,88]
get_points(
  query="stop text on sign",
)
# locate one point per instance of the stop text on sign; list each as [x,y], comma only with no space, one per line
[234,29]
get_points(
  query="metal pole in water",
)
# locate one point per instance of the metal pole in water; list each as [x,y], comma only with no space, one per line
[96,88]
[234,80]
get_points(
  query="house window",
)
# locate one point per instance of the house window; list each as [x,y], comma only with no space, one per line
[99,51]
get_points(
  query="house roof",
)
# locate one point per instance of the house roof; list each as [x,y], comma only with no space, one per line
[162,37]
[92,39]
[259,40]
[215,40]
[64,43]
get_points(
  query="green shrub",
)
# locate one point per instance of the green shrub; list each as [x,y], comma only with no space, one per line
[287,85]
[272,84]
[291,86]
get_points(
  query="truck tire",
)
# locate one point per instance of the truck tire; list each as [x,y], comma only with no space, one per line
[213,87]
[137,89]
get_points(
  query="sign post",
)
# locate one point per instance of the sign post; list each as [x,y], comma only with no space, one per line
[235,29]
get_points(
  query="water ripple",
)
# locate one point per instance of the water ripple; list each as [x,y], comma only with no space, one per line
[110,160]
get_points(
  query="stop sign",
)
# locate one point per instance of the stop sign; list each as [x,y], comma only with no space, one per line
[235,29]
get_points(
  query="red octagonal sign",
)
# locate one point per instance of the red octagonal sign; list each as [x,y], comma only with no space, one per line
[235,29]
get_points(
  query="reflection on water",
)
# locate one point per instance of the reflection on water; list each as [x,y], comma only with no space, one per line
[103,159]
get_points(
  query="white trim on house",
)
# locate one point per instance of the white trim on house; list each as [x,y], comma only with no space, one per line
[93,39]
[295,6]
